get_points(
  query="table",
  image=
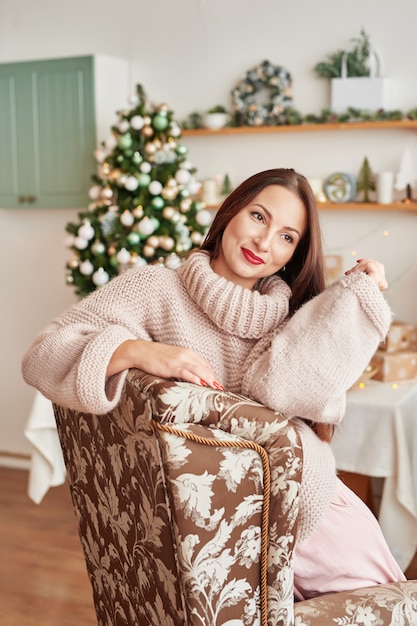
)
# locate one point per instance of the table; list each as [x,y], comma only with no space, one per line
[378,438]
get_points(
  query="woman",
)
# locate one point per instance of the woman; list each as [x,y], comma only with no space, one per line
[248,312]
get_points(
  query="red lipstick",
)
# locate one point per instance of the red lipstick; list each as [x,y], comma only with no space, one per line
[251,257]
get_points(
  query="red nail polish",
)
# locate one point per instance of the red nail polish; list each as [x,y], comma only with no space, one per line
[218,386]
[203,383]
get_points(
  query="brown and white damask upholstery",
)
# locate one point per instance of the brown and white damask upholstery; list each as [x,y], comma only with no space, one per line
[187,502]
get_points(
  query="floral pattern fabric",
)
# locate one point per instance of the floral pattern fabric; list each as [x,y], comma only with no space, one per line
[171,523]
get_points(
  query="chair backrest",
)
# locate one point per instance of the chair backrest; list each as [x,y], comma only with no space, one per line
[179,517]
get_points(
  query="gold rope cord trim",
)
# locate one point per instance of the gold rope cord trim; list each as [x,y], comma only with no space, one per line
[241,443]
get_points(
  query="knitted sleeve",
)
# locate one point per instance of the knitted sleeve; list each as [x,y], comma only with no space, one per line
[306,368]
[68,360]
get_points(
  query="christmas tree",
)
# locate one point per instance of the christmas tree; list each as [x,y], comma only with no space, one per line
[144,200]
[366,180]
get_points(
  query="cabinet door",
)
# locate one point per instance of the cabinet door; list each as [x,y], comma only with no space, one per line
[47,128]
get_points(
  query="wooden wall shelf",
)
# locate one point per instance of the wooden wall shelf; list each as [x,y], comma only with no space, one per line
[356,206]
[368,206]
[294,128]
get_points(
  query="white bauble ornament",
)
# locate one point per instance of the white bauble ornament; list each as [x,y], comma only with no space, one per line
[100,277]
[127,218]
[182,176]
[137,122]
[204,217]
[145,167]
[139,261]
[194,186]
[153,241]
[131,183]
[155,188]
[172,261]
[94,192]
[99,155]
[69,241]
[123,126]
[123,256]
[111,142]
[175,130]
[98,247]
[146,226]
[81,243]
[86,268]
[107,192]
[86,231]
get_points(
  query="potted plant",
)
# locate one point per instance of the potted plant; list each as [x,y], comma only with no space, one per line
[217,117]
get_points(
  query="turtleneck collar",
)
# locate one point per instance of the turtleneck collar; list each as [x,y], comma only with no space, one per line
[236,310]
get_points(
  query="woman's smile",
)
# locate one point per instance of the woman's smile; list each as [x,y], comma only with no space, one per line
[251,257]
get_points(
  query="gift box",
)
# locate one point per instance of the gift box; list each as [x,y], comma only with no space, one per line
[401,336]
[395,366]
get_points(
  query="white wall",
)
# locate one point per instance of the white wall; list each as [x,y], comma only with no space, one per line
[190,53]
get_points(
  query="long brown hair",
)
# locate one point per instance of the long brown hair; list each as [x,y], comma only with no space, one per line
[304,273]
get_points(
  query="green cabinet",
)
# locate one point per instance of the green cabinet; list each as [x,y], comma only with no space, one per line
[47,133]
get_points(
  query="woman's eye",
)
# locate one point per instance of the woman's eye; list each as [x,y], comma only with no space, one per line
[258,216]
[288,238]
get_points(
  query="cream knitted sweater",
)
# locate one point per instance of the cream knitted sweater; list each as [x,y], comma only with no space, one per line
[300,366]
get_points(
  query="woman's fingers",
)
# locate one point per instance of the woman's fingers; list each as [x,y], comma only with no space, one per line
[374,269]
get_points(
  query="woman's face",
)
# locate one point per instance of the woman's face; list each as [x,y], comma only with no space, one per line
[262,237]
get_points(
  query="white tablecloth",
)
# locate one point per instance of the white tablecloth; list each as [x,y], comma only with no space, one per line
[378,437]
[47,465]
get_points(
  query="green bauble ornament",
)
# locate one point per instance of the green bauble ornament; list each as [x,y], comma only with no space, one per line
[143,179]
[125,141]
[160,122]
[158,202]
[155,222]
[181,149]
[133,238]
[137,158]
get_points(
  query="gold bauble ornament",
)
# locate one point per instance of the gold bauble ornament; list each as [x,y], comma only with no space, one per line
[138,211]
[169,194]
[147,131]
[185,205]
[148,251]
[153,241]
[150,148]
[73,264]
[111,250]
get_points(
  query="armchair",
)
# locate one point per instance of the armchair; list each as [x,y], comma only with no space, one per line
[187,502]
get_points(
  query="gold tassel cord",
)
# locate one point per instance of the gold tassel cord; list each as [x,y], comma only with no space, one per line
[241,443]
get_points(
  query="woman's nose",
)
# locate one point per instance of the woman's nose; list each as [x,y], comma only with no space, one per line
[263,241]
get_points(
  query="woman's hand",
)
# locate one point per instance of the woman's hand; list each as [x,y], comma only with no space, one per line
[374,269]
[163,360]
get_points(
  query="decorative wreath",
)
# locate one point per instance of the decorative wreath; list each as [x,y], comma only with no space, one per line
[249,112]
